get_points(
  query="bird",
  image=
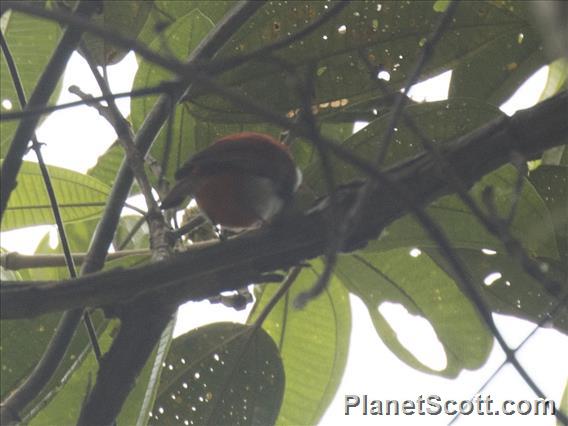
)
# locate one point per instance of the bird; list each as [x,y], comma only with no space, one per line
[240,182]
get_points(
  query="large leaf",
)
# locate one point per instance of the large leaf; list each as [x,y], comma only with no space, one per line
[189,133]
[107,167]
[313,343]
[551,182]
[223,373]
[439,122]
[532,223]
[126,18]
[23,341]
[79,196]
[166,12]
[557,78]
[390,34]
[139,240]
[425,290]
[564,404]
[141,400]
[31,42]
[108,164]
[508,289]
[64,405]
[182,37]
[496,70]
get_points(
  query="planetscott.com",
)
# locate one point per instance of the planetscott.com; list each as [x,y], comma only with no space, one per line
[434,405]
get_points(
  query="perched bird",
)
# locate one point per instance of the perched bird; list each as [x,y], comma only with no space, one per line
[241,181]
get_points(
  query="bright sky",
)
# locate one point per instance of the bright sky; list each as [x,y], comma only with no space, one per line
[372,369]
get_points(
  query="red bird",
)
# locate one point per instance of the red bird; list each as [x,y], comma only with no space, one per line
[241,181]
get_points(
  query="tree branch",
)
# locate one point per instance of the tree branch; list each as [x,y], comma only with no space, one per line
[203,270]
[40,96]
[100,406]
[14,261]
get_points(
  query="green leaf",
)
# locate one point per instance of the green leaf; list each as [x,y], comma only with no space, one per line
[126,18]
[64,405]
[166,12]
[182,37]
[511,53]
[137,407]
[313,343]
[78,235]
[438,121]
[551,183]
[424,290]
[31,41]
[139,240]
[223,373]
[107,167]
[441,5]
[108,164]
[564,404]
[508,289]
[80,197]
[23,342]
[556,79]
[390,34]
[532,223]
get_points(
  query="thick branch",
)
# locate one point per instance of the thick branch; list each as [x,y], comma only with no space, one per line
[203,270]
[140,329]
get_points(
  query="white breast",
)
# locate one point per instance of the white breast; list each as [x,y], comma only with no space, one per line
[261,193]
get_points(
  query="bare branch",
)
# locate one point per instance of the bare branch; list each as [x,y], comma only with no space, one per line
[14,261]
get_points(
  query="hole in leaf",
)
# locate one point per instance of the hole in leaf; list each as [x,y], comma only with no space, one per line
[491,278]
[415,252]
[416,334]
[7,104]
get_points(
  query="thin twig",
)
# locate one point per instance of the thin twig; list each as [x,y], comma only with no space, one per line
[353,216]
[163,87]
[495,227]
[123,131]
[14,261]
[219,65]
[130,235]
[45,368]
[40,96]
[76,22]
[284,287]
[191,225]
[306,117]
[98,408]
[437,234]
[552,313]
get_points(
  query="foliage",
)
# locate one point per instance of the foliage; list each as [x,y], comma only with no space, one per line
[289,369]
